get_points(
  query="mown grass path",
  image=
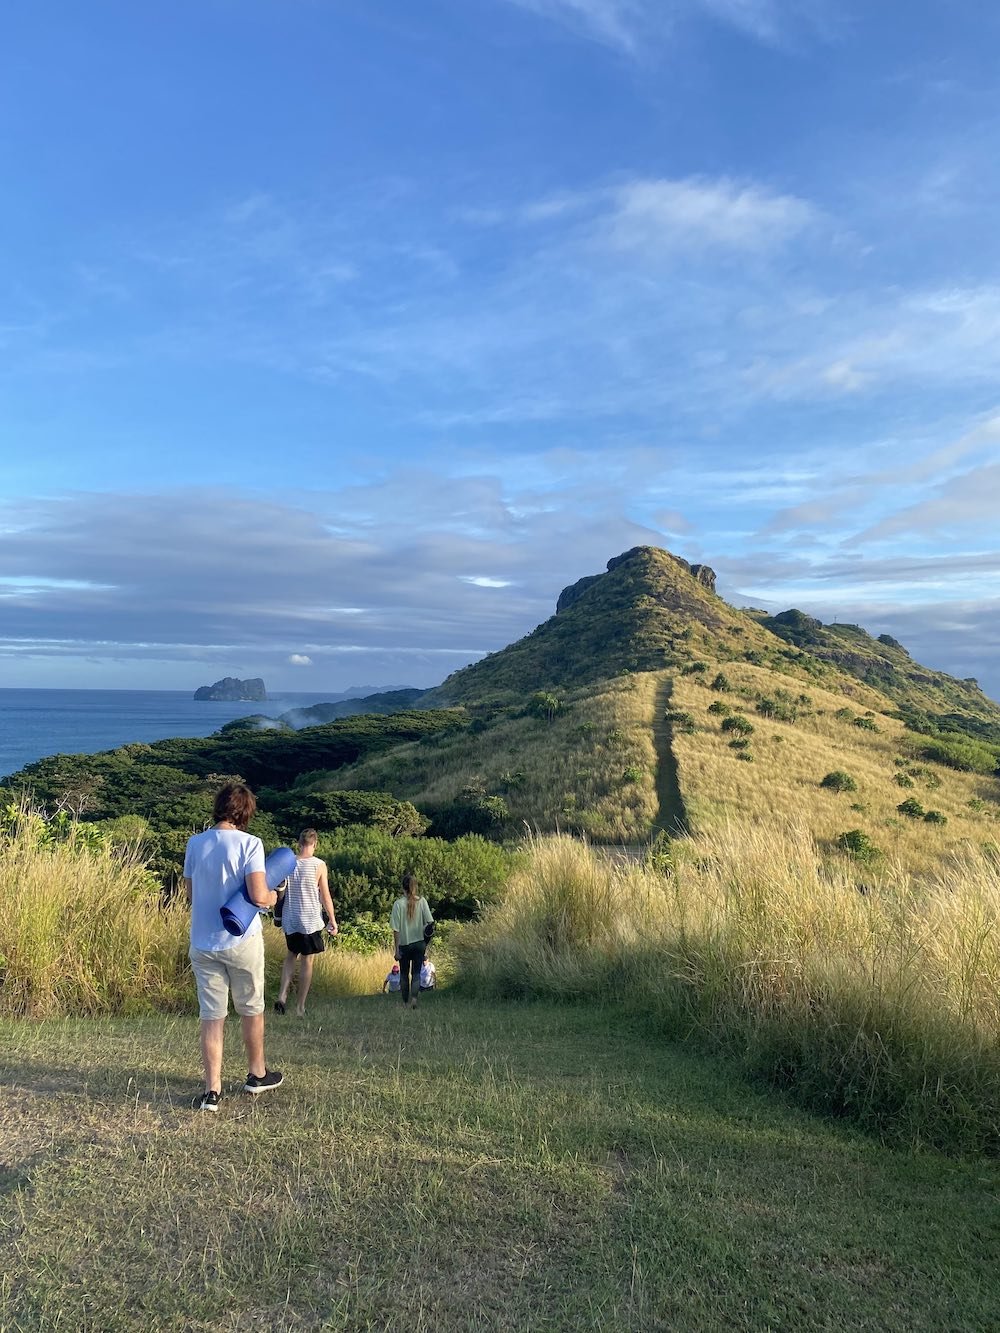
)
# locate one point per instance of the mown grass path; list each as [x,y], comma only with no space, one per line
[461,1168]
[671,817]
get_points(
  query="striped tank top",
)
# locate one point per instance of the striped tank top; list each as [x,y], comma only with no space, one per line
[302,913]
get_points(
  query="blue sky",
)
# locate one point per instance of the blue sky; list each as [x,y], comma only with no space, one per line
[336,336]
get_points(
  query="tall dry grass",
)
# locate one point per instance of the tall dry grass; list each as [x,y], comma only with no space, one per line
[883,1005]
[590,769]
[791,759]
[85,929]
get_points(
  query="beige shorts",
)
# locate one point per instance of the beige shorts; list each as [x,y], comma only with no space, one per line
[239,969]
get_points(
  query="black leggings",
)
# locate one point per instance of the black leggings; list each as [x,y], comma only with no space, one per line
[411,957]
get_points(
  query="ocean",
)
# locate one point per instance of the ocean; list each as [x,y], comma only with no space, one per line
[36,723]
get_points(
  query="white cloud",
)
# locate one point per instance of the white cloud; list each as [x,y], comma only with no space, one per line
[613,22]
[482,581]
[629,25]
[701,213]
[299,660]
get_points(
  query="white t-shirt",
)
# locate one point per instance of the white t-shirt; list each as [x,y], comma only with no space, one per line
[217,863]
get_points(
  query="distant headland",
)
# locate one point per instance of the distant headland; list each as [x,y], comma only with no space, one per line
[231,690]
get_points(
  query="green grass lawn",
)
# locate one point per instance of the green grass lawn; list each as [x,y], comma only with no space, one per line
[461,1168]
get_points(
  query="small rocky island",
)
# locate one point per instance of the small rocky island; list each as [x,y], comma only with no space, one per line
[231,690]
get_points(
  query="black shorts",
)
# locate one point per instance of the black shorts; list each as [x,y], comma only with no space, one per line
[305,944]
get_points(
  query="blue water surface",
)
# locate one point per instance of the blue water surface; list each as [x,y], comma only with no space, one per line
[36,723]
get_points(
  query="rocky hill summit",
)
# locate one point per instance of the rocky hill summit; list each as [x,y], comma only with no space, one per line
[652,610]
[649,610]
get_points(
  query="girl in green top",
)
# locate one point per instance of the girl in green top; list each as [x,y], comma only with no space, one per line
[410,918]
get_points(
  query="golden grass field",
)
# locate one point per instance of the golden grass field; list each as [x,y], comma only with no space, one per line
[790,760]
[591,769]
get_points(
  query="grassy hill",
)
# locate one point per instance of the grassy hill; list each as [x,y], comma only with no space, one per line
[645,664]
[928,700]
[646,613]
[599,723]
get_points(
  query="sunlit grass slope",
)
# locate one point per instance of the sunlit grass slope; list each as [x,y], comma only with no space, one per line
[590,768]
[791,758]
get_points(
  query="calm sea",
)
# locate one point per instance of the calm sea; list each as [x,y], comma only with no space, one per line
[36,723]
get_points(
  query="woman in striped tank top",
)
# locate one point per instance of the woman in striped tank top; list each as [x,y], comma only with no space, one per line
[306,898]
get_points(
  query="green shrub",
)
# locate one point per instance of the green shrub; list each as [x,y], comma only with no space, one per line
[695,669]
[719,709]
[544,704]
[963,753]
[911,808]
[328,810]
[721,682]
[856,844]
[681,721]
[867,724]
[839,781]
[738,724]
[745,755]
[844,715]
[902,780]
[935,817]
[367,866]
[741,743]
[364,934]
[617,738]
[976,804]
[632,774]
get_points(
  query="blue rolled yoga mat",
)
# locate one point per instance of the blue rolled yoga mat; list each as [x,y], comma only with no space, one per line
[238,911]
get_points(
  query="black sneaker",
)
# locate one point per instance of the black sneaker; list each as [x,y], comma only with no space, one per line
[279,1006]
[208,1101]
[271,1078]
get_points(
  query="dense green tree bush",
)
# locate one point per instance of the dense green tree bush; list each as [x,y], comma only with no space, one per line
[911,807]
[367,866]
[962,753]
[839,781]
[329,810]
[867,723]
[738,724]
[721,682]
[935,817]
[544,704]
[719,709]
[859,846]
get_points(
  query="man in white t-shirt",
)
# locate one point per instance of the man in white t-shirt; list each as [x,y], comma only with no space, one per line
[218,863]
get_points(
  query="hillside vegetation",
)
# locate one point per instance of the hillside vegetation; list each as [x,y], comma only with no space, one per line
[645,705]
[581,760]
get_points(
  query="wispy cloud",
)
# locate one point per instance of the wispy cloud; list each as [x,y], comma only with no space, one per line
[629,25]
[656,215]
[617,23]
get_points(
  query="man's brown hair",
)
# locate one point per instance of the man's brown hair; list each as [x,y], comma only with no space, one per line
[236,803]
